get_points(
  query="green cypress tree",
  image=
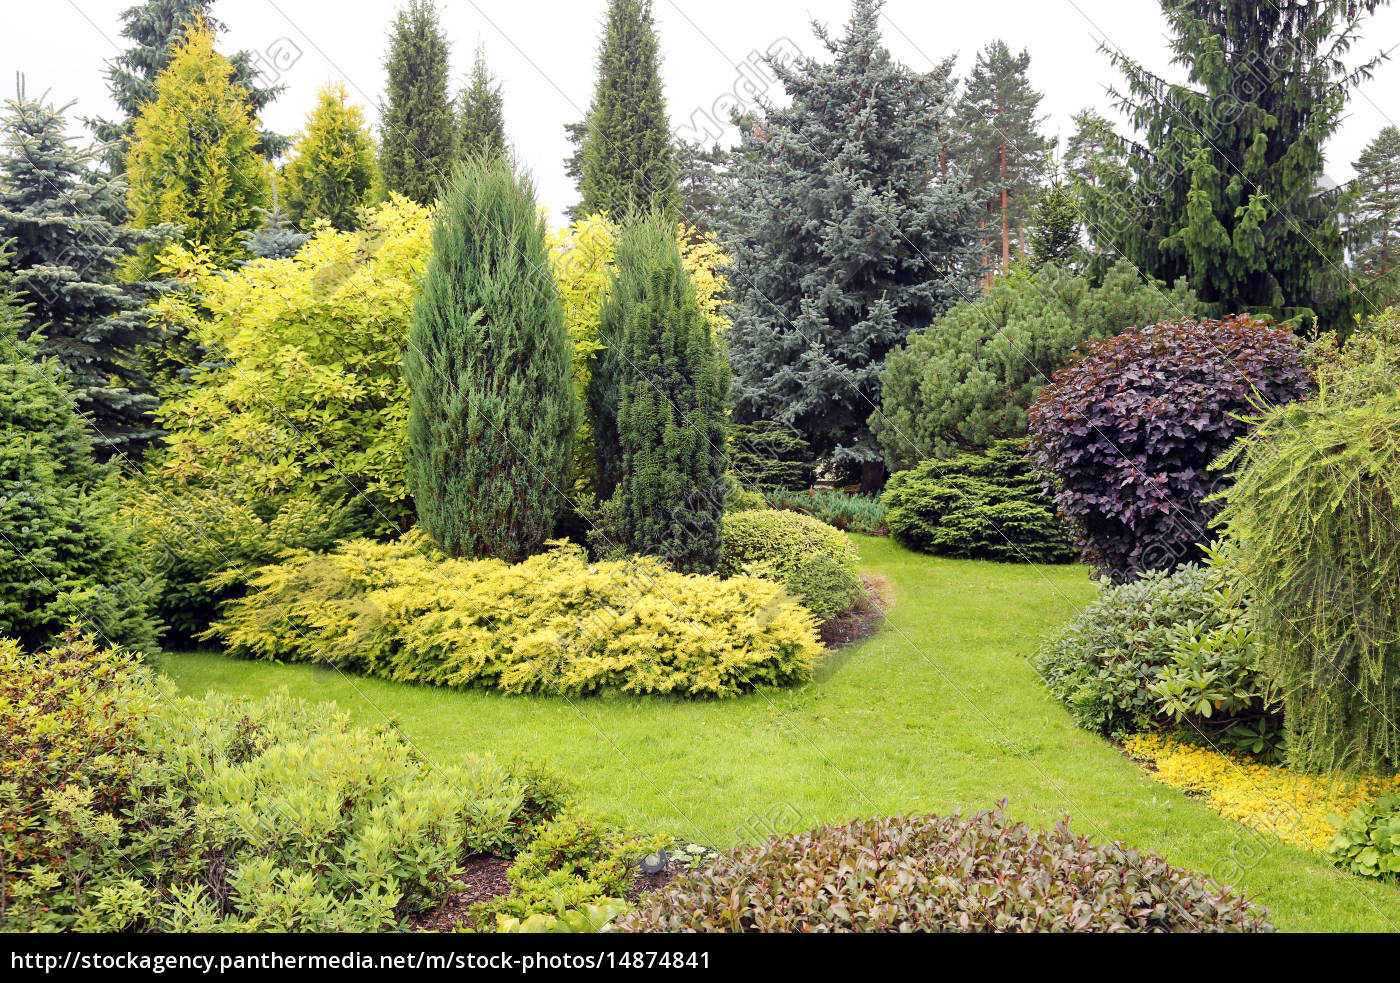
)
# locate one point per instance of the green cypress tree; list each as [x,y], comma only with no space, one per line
[847,239]
[332,175]
[481,122]
[63,553]
[1000,148]
[194,159]
[492,405]
[417,140]
[1374,215]
[628,162]
[154,28]
[62,216]
[1224,174]
[672,413]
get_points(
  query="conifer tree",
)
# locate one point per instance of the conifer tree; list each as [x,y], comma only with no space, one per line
[154,28]
[481,122]
[627,159]
[702,177]
[1374,212]
[672,414]
[194,159]
[488,366]
[1054,224]
[1223,176]
[847,239]
[332,175]
[63,553]
[62,216]
[1000,149]
[417,138]
[276,238]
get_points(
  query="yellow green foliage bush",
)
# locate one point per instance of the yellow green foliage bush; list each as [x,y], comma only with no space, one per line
[302,392]
[552,624]
[1280,801]
[125,807]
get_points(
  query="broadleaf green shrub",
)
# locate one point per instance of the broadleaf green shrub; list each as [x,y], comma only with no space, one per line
[555,624]
[979,506]
[1160,650]
[974,873]
[124,806]
[1368,840]
[813,561]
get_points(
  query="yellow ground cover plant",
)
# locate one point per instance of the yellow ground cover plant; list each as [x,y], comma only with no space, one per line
[1273,799]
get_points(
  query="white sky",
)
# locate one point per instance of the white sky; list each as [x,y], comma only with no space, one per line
[543,51]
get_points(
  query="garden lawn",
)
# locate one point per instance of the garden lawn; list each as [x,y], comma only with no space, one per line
[940,710]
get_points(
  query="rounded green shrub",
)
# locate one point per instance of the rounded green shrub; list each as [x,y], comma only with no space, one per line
[977,506]
[814,562]
[974,873]
[1368,841]
[1162,649]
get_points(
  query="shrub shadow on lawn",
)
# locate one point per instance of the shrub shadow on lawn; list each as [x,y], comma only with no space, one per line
[841,634]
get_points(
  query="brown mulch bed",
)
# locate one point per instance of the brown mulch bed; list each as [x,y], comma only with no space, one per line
[485,878]
[861,621]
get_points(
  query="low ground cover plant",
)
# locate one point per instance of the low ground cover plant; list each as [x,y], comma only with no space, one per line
[980,872]
[979,506]
[125,807]
[1284,802]
[813,561]
[1367,841]
[554,624]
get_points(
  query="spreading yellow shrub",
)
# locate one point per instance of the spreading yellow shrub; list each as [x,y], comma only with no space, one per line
[1279,801]
[552,624]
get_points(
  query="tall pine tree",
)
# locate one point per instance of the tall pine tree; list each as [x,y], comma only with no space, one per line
[672,414]
[847,240]
[194,159]
[417,132]
[492,404]
[63,217]
[1374,214]
[481,121]
[1000,148]
[154,28]
[332,174]
[1223,183]
[627,161]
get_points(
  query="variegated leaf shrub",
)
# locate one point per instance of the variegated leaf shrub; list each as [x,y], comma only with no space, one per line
[555,623]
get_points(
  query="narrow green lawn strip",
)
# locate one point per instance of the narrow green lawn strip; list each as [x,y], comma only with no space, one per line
[938,711]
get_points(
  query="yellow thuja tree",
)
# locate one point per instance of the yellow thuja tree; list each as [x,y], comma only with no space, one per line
[194,158]
[301,393]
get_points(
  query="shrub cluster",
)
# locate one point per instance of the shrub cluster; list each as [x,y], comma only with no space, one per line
[125,807]
[812,560]
[980,506]
[1162,649]
[768,455]
[1127,433]
[847,511]
[975,873]
[553,624]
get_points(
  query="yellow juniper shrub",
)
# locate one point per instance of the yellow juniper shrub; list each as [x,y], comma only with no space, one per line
[552,624]
[1271,798]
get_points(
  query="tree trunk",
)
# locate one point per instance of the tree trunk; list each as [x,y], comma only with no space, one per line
[872,477]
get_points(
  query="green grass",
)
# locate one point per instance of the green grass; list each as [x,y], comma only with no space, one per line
[939,710]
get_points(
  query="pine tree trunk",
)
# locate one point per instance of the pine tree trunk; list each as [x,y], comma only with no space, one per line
[1005,228]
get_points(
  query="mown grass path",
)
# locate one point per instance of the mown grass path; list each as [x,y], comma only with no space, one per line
[939,710]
